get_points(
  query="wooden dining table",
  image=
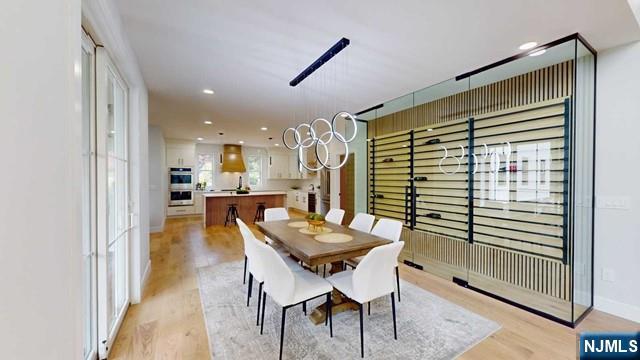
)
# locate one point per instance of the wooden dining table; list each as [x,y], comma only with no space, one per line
[313,253]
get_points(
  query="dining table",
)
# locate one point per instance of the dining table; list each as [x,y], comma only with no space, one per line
[319,245]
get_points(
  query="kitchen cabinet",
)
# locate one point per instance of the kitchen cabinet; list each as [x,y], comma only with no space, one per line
[198,202]
[180,154]
[180,210]
[279,166]
[298,200]
[284,165]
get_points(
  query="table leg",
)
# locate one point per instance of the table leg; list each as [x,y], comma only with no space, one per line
[339,302]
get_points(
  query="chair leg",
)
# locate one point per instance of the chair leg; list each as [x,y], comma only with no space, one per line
[326,310]
[259,302]
[284,312]
[361,332]
[244,276]
[264,301]
[250,286]
[369,308]
[398,283]
[329,314]
[393,311]
[324,271]
[304,307]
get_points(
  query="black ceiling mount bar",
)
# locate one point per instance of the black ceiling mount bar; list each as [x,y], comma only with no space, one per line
[324,58]
[575,36]
[369,109]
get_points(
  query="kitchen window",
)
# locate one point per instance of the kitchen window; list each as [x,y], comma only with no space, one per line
[205,169]
[254,170]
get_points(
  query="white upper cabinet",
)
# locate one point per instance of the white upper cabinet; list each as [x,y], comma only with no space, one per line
[278,165]
[180,153]
[284,165]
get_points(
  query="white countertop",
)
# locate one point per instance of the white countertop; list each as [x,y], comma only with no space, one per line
[233,193]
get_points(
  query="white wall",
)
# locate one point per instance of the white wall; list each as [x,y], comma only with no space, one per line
[617,231]
[158,179]
[40,212]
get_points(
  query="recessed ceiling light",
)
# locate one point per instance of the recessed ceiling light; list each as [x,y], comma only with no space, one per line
[208,91]
[429,129]
[207,122]
[241,142]
[528,45]
[200,139]
[538,53]
[277,144]
[263,128]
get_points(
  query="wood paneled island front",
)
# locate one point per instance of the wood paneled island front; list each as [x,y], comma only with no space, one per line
[217,203]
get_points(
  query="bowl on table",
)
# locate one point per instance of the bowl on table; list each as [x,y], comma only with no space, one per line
[315,221]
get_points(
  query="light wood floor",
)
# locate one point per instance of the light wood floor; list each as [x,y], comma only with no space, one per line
[168,323]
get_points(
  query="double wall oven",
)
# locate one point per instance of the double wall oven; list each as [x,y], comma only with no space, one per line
[180,186]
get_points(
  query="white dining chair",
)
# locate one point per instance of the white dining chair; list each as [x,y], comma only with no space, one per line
[389,229]
[288,288]
[372,278]
[335,216]
[276,214]
[362,222]
[256,268]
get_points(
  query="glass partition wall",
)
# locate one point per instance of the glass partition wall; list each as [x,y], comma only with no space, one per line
[492,175]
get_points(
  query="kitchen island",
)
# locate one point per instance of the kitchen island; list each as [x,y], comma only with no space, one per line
[217,203]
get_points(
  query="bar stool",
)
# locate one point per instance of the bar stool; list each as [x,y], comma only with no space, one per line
[259,212]
[232,214]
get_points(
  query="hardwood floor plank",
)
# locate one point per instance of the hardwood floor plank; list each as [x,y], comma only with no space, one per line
[169,324]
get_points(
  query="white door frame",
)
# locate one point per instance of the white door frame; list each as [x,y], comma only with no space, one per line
[104,68]
[89,47]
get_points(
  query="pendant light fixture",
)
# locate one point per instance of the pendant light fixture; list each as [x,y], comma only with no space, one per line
[310,135]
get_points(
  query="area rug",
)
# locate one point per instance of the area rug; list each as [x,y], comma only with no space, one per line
[429,327]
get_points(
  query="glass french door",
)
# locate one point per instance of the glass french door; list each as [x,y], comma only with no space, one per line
[113,192]
[89,266]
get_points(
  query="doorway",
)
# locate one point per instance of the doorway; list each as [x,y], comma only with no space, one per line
[347,188]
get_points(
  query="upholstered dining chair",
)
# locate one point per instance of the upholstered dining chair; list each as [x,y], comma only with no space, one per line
[372,278]
[362,222]
[335,216]
[256,270]
[391,230]
[288,288]
[276,214]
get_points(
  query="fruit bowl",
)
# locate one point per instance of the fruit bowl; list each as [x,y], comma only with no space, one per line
[315,221]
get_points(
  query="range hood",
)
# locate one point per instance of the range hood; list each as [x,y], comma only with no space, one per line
[232,159]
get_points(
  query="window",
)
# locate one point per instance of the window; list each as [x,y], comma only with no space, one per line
[205,170]
[254,169]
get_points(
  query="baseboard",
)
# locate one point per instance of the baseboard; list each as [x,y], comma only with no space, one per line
[156,229]
[145,276]
[617,308]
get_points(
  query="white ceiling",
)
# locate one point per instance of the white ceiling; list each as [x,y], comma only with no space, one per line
[248,51]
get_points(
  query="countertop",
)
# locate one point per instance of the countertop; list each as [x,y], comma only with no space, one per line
[230,194]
